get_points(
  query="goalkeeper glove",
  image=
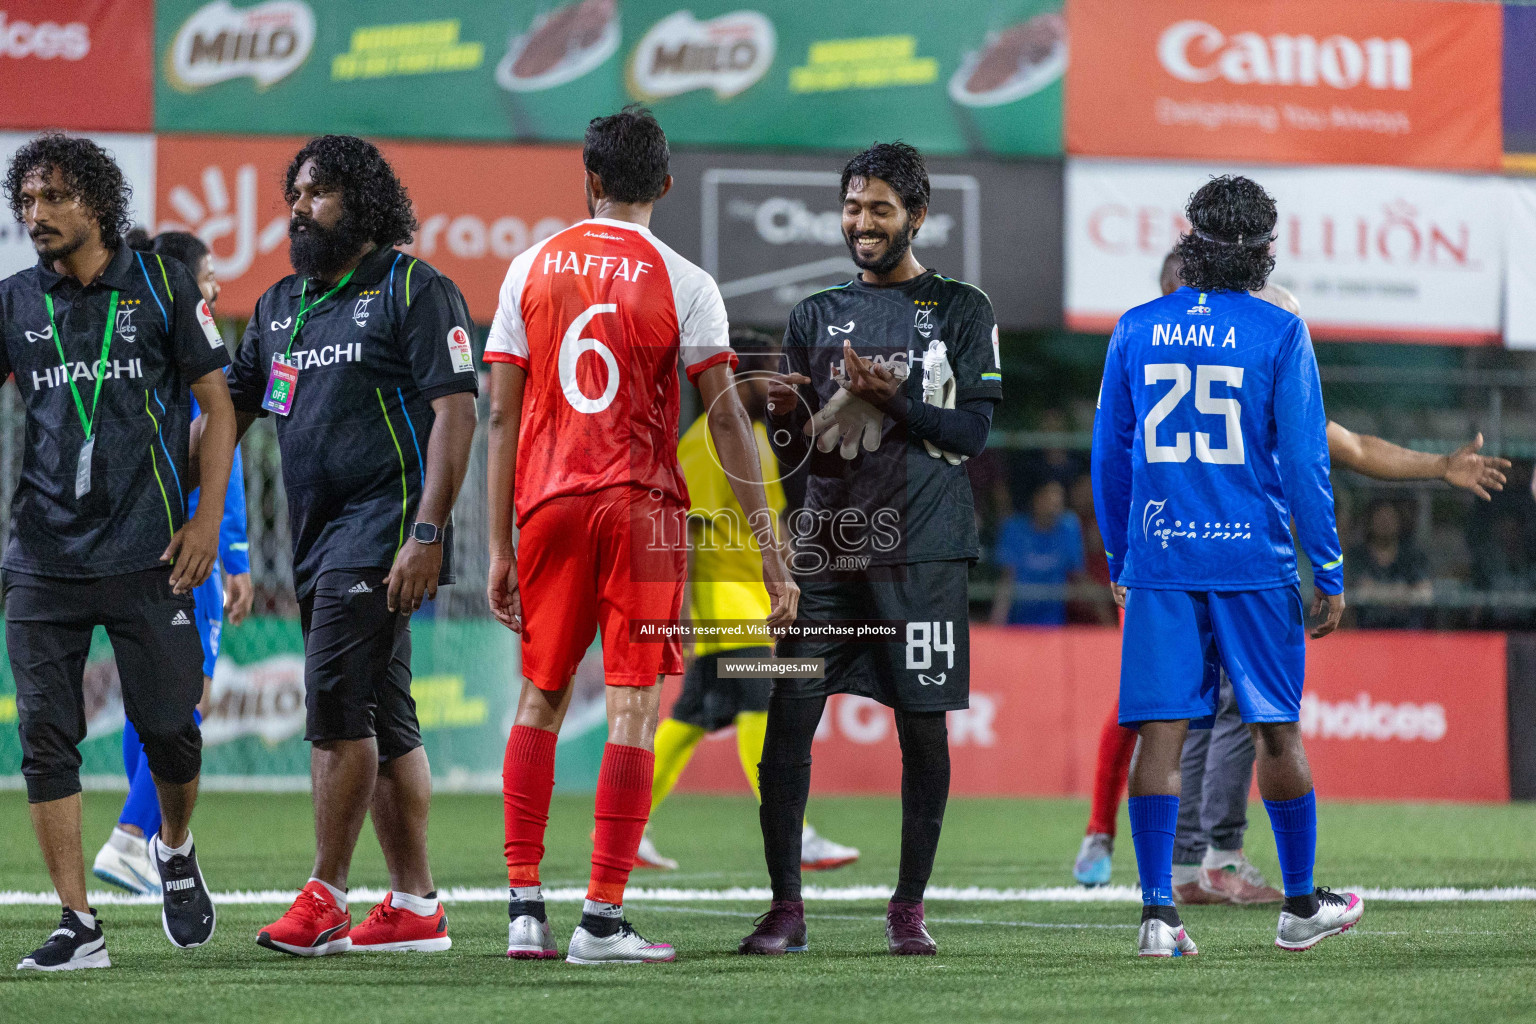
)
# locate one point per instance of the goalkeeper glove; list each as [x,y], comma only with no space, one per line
[847,422]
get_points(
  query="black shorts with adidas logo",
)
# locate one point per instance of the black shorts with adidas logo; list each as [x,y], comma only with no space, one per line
[357,663]
[48,625]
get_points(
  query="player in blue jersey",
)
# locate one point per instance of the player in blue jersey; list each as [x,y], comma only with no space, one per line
[124,861]
[1210,438]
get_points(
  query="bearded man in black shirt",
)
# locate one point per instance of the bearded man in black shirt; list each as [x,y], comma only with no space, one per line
[364,358]
[889,385]
[105,345]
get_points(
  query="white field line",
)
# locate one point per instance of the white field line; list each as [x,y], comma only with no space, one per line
[744,894]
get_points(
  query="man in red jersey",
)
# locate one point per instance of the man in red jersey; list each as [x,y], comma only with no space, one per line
[583,443]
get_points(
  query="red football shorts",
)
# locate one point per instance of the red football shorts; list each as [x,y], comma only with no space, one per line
[604,559]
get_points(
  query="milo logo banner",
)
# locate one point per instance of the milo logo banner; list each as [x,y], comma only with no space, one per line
[466,680]
[966,76]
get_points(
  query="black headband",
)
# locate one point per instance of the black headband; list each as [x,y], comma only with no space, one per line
[1250,243]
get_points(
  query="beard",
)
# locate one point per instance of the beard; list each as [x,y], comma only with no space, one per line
[896,250]
[56,246]
[322,252]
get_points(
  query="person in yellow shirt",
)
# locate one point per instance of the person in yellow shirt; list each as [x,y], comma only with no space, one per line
[725,586]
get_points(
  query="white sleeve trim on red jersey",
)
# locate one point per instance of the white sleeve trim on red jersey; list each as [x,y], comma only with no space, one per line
[704,331]
[508,340]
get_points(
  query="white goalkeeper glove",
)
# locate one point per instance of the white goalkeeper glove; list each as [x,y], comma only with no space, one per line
[846,423]
[939,391]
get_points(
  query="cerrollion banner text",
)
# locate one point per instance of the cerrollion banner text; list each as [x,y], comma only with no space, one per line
[1372,253]
[961,76]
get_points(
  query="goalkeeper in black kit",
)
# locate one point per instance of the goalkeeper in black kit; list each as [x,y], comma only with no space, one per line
[888,385]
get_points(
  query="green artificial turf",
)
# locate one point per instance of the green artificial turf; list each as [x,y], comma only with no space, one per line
[1014,961]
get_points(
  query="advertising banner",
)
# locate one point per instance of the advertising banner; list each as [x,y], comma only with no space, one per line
[135,154]
[1379,720]
[82,65]
[1303,81]
[966,76]
[465,687]
[1371,253]
[478,206]
[1519,93]
[1520,275]
[768,228]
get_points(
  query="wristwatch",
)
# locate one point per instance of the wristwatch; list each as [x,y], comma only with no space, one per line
[425,533]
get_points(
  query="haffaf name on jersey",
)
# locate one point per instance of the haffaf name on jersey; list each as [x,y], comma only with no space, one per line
[586,264]
[114,369]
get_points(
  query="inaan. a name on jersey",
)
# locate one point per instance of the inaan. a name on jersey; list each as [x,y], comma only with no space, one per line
[1199,335]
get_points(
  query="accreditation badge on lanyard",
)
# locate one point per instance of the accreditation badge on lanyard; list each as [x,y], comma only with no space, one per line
[281,384]
[284,378]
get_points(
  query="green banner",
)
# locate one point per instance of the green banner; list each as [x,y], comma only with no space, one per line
[965,76]
[465,684]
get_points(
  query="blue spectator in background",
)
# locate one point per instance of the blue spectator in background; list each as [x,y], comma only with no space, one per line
[1041,548]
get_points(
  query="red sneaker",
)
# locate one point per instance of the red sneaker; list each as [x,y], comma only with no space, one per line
[313,926]
[391,929]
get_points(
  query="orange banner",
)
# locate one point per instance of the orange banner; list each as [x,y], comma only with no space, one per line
[478,206]
[1385,716]
[77,65]
[1304,81]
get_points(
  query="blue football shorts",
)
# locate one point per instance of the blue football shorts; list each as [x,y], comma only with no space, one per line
[208,614]
[1176,642]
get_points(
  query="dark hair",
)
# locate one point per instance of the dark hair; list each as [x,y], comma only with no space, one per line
[1232,223]
[757,349]
[899,166]
[181,246]
[90,174]
[371,193]
[628,152]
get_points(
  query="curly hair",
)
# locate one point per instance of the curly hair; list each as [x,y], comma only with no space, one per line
[90,174]
[899,166]
[372,195]
[1232,222]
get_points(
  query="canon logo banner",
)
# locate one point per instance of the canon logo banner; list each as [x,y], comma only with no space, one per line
[1305,81]
[1197,51]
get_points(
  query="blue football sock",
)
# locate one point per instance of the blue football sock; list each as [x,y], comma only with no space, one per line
[142,807]
[1154,819]
[1295,826]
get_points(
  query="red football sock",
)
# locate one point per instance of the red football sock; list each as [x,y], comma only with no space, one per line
[623,806]
[1116,744]
[527,780]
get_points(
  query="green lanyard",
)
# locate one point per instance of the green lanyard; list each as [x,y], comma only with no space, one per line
[298,320]
[87,422]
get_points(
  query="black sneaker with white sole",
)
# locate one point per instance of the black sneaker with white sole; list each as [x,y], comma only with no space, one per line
[187,913]
[71,947]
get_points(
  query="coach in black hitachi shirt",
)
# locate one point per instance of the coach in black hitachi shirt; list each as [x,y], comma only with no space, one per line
[363,358]
[889,384]
[107,345]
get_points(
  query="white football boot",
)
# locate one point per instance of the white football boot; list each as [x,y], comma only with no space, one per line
[124,862]
[1337,912]
[1158,938]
